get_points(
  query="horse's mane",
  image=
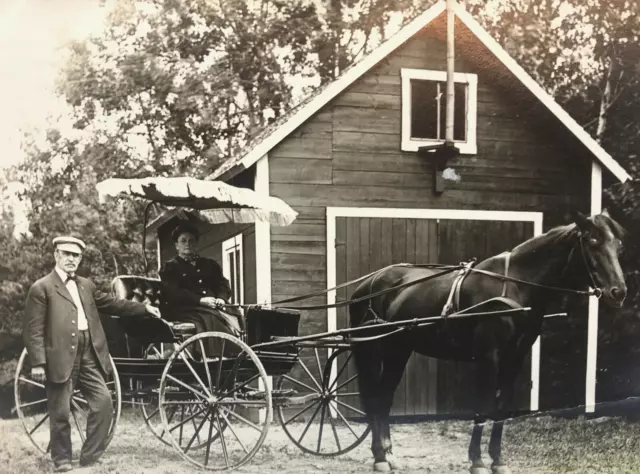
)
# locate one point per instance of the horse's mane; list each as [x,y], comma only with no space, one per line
[557,235]
[565,234]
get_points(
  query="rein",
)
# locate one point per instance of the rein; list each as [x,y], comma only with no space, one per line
[465,269]
[595,291]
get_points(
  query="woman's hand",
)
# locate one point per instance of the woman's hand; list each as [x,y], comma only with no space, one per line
[212,302]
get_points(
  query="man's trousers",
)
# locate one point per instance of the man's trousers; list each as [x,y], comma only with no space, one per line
[89,379]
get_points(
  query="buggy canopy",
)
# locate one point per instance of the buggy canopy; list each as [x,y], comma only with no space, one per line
[215,202]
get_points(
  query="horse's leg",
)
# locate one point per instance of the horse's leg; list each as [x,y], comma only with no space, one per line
[485,392]
[509,366]
[379,372]
[393,369]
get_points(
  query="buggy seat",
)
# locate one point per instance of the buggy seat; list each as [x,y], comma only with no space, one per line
[148,329]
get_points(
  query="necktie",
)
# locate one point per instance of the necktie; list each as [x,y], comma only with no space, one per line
[71,278]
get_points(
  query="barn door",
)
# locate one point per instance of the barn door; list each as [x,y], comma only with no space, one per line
[364,245]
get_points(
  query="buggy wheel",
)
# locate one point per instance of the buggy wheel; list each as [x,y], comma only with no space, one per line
[31,407]
[323,417]
[149,405]
[228,398]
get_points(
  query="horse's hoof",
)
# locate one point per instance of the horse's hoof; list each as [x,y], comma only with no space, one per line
[500,469]
[479,470]
[381,466]
[394,464]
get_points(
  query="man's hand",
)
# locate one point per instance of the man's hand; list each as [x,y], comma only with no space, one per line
[38,374]
[153,311]
[212,302]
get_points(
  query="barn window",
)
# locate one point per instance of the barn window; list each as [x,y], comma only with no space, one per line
[424,109]
[232,266]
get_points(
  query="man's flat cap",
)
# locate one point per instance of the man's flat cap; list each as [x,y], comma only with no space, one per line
[69,244]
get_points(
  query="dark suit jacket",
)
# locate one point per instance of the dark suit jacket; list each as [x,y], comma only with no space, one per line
[186,283]
[50,329]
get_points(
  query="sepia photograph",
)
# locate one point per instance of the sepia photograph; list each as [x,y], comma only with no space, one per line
[320,236]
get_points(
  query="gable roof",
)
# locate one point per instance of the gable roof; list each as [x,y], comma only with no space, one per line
[280,129]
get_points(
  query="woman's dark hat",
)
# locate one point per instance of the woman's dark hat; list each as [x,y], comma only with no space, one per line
[184,228]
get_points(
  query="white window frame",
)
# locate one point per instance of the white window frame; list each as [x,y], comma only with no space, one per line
[467,147]
[229,246]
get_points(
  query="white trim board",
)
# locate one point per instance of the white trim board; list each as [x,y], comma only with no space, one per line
[304,112]
[402,213]
[592,328]
[233,245]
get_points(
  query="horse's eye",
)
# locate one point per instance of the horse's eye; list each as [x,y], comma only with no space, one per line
[593,242]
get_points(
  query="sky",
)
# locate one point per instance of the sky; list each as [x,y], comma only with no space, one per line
[33,36]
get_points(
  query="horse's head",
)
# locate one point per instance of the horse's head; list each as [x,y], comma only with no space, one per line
[601,242]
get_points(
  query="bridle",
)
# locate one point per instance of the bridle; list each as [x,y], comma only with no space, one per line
[586,258]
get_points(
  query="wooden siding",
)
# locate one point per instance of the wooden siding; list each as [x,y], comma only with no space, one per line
[348,154]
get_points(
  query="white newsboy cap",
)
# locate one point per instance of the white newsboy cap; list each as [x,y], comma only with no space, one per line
[68,243]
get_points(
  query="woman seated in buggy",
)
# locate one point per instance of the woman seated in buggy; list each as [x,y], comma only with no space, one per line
[195,288]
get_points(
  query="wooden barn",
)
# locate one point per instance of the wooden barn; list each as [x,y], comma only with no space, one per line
[347,161]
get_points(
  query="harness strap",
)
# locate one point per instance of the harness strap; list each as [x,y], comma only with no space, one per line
[507,258]
[453,301]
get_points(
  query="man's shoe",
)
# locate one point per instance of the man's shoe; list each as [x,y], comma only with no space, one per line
[64,467]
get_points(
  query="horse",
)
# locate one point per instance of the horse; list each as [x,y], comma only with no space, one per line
[534,275]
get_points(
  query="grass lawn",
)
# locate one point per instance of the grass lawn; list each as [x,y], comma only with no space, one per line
[535,445]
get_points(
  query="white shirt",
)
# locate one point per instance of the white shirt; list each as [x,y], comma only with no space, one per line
[75,295]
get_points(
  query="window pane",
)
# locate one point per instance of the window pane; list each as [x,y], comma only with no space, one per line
[424,109]
[459,111]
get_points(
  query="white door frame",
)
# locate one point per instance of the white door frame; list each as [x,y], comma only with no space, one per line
[444,214]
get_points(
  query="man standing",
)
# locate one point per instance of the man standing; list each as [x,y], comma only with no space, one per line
[67,346]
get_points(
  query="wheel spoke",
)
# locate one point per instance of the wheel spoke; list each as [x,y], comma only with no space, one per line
[313,417]
[37,402]
[304,410]
[241,418]
[304,367]
[219,371]
[228,422]
[31,382]
[195,374]
[238,387]
[183,421]
[233,374]
[348,381]
[342,368]
[349,407]
[196,434]
[223,442]
[324,406]
[208,448]
[206,365]
[188,387]
[315,350]
[344,420]
[302,384]
[335,431]
[44,418]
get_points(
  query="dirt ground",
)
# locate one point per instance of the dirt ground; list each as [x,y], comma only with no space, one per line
[537,445]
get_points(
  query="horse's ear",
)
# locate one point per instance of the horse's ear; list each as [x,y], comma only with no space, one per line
[605,212]
[582,221]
